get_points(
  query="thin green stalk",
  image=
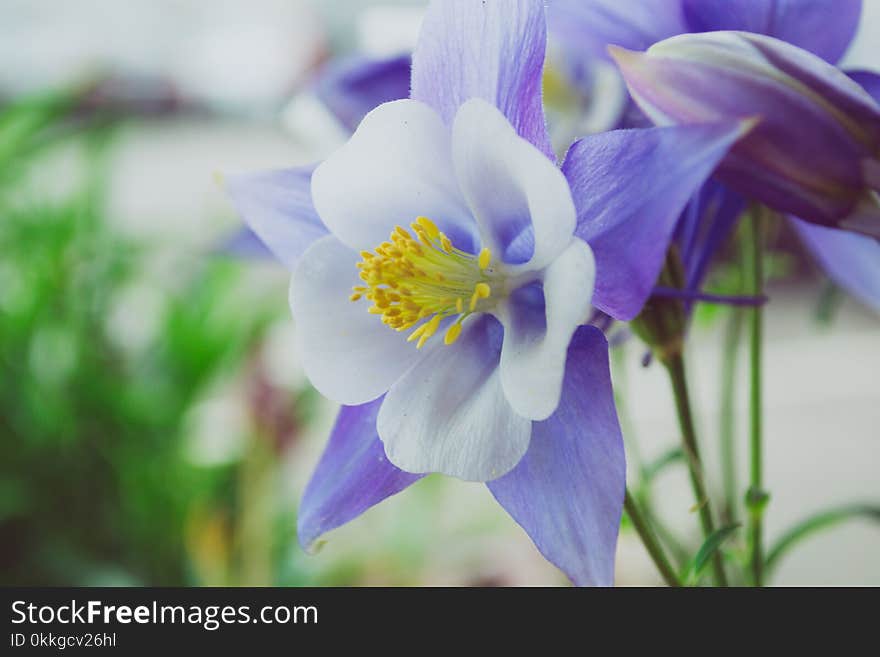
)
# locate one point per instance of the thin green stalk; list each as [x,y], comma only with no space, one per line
[732,340]
[755,498]
[815,524]
[652,545]
[675,366]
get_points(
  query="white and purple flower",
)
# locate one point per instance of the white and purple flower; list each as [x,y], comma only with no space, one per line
[444,272]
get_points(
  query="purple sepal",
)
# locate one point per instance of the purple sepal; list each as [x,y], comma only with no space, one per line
[244,243]
[567,491]
[851,261]
[869,81]
[277,207]
[629,189]
[491,49]
[824,27]
[352,87]
[585,28]
[704,227]
[352,475]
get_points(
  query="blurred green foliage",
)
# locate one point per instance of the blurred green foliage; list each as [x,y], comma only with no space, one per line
[95,483]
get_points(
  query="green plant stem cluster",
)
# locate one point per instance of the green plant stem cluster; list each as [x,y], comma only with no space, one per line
[663,326]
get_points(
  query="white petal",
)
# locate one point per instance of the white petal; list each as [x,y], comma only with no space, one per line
[534,352]
[449,414]
[348,354]
[510,186]
[396,167]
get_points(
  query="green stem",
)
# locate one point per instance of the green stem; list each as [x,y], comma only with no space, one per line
[675,366]
[652,545]
[756,498]
[729,368]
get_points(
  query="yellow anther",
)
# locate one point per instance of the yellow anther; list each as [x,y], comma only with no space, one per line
[415,335]
[422,235]
[485,258]
[429,226]
[481,291]
[452,333]
[419,277]
[431,327]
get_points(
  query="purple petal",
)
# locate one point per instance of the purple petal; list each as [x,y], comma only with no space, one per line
[585,28]
[352,475]
[277,206]
[824,27]
[352,87]
[492,50]
[852,261]
[567,491]
[629,188]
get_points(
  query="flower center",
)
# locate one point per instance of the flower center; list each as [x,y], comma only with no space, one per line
[411,279]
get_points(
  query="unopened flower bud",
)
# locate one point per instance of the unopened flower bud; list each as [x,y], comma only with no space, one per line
[814,150]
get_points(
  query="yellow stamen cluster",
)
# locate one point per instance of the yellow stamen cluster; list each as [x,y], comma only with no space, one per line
[410,279]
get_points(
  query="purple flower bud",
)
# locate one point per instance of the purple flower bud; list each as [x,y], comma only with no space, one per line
[813,151]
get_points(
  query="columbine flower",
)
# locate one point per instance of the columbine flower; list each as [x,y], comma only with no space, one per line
[814,152]
[491,222]
[448,276]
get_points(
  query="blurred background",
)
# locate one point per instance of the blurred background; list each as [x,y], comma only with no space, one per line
[155,427]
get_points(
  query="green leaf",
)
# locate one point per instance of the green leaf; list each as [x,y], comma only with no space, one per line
[707,549]
[816,523]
